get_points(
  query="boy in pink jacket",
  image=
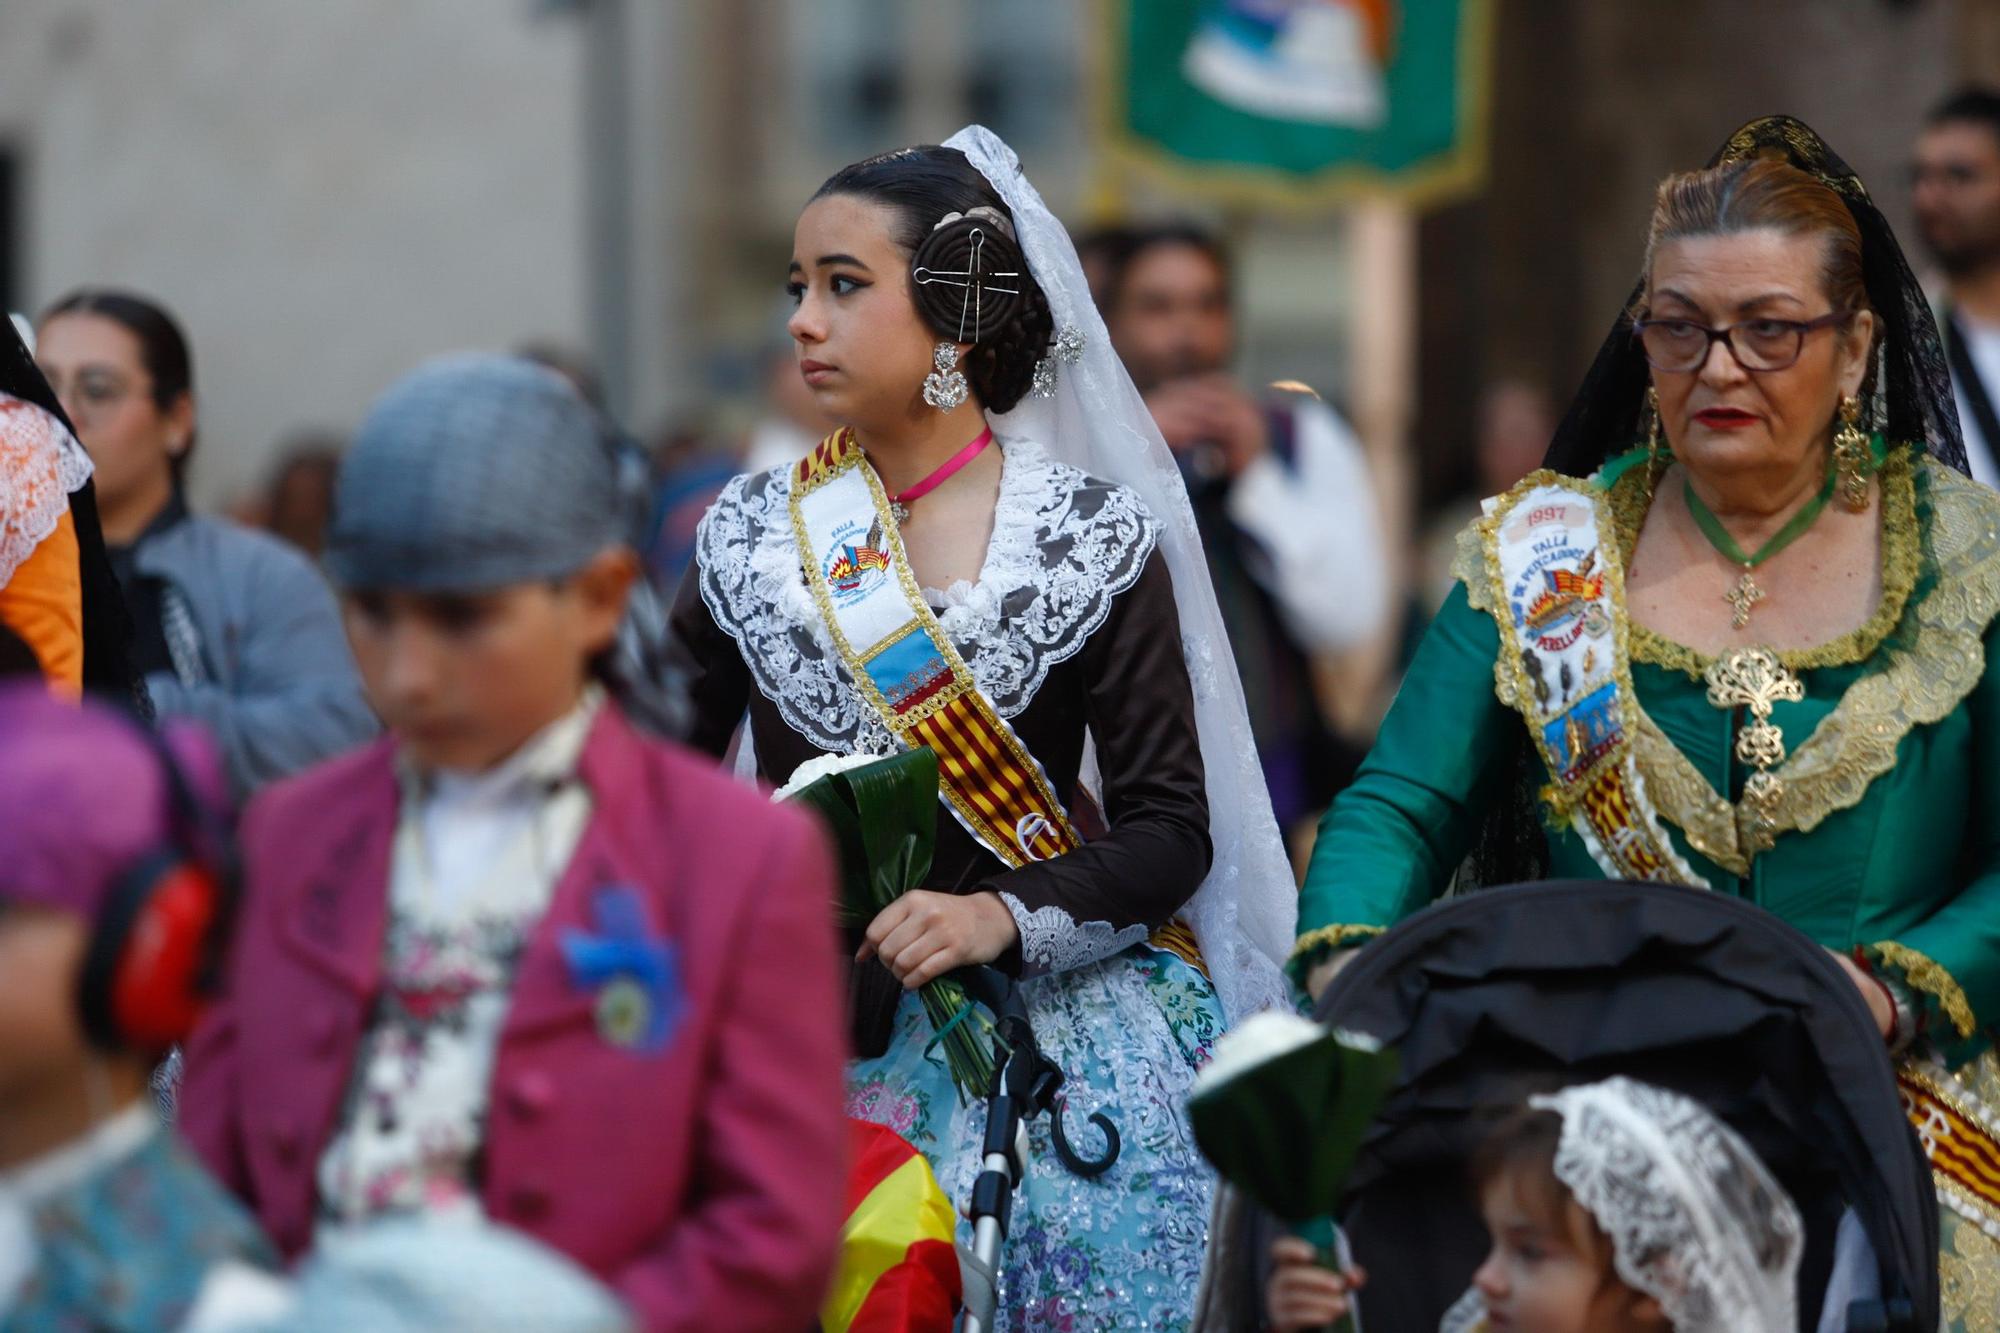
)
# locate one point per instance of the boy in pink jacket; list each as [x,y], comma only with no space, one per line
[520,961]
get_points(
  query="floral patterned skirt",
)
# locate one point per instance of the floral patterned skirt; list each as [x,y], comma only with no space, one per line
[1122,1251]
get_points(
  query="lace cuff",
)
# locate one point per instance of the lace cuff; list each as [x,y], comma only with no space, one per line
[1930,985]
[1054,941]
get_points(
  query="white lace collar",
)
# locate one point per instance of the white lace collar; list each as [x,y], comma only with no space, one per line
[41,464]
[1064,546]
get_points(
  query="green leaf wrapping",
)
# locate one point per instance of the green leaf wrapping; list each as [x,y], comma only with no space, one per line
[883,818]
[1286,1131]
[854,904]
[897,801]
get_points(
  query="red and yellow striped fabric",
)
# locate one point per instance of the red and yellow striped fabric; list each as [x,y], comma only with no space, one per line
[1959,1141]
[990,778]
[898,1271]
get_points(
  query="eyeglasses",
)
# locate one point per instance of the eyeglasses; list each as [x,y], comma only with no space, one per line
[93,395]
[1757,344]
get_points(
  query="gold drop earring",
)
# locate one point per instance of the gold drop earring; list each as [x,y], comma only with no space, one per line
[1657,456]
[1852,456]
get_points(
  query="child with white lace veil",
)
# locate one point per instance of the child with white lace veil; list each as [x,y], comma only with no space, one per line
[1614,1207]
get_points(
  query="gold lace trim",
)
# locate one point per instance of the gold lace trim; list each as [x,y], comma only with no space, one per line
[1969,1280]
[1709,823]
[1902,553]
[1329,938]
[1920,972]
[1857,742]
[1608,805]
[1968,1258]
[1468,565]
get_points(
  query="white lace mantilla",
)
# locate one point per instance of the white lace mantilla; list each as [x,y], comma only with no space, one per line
[1064,546]
[1695,1219]
[40,465]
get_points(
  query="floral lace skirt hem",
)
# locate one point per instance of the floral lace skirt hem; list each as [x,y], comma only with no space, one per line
[1122,1251]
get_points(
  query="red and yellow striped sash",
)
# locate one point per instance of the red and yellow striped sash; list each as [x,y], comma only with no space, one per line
[908,670]
[1958,1134]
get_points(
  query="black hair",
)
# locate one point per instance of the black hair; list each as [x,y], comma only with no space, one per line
[1108,253]
[162,346]
[1975,103]
[924,185]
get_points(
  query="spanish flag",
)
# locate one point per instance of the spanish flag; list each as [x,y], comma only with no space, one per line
[898,1271]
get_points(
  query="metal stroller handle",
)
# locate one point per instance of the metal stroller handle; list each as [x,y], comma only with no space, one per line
[1041,1081]
[1026,1084]
[993,988]
[1087,1167]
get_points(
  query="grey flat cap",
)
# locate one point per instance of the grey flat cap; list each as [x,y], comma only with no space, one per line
[474,472]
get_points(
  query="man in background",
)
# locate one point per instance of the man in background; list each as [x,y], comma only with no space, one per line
[1955,181]
[1280,489]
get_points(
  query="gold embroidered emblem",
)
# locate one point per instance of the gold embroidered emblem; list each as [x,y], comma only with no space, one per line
[1753,679]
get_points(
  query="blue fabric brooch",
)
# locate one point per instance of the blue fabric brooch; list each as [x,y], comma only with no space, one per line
[635,973]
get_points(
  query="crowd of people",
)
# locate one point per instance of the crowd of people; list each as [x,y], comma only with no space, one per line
[396,930]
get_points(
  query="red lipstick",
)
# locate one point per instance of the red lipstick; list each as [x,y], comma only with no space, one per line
[1726,418]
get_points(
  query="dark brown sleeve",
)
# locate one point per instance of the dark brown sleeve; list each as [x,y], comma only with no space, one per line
[1141,714]
[711,666]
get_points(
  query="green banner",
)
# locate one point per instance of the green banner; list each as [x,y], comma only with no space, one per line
[1302,100]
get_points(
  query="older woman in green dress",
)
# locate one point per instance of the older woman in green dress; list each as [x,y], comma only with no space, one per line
[1740,636]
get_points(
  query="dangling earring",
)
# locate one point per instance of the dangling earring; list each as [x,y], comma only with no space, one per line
[1065,346]
[945,387]
[1657,456]
[1852,456]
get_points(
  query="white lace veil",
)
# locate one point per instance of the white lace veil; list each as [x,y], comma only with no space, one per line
[1695,1219]
[1245,911]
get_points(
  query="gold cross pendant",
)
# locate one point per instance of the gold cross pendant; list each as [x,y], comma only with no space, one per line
[1741,598]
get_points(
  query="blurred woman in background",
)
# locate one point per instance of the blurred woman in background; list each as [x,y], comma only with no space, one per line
[232,628]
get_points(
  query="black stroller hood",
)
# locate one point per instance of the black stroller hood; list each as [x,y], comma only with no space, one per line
[1511,991]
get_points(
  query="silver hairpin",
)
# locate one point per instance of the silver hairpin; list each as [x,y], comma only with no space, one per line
[970,279]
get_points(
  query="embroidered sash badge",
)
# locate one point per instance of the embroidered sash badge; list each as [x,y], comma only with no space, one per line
[635,973]
[1564,666]
[905,666]
[856,563]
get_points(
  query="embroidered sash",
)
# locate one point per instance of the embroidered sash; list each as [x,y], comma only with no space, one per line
[1960,1135]
[906,668]
[905,664]
[1564,666]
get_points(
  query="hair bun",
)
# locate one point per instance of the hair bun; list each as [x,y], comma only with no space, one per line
[968,276]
